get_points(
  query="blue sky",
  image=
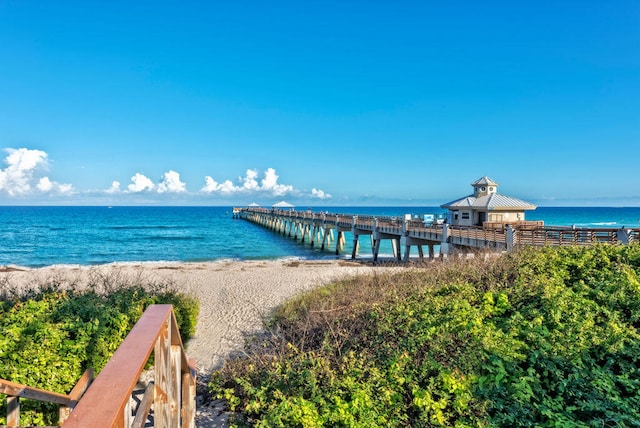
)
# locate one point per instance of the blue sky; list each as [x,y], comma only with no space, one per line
[320,103]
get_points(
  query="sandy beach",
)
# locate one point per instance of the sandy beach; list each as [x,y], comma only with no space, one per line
[234,298]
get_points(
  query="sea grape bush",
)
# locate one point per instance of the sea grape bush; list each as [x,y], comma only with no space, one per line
[540,337]
[48,339]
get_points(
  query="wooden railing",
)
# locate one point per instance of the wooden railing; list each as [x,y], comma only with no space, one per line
[479,234]
[565,236]
[16,391]
[520,225]
[492,234]
[108,403]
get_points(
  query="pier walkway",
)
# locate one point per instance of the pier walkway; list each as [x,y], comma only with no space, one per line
[328,229]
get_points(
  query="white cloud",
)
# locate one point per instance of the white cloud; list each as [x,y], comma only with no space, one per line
[22,176]
[249,183]
[25,175]
[115,187]
[317,193]
[212,186]
[140,183]
[171,183]
[45,185]
[65,189]
[270,183]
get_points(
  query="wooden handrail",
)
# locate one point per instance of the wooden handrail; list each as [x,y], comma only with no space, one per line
[15,391]
[76,393]
[106,402]
[23,391]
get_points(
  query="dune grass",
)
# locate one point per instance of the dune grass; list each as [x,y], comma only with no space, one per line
[541,337]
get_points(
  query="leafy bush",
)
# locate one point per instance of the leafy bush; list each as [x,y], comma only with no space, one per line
[542,337]
[48,339]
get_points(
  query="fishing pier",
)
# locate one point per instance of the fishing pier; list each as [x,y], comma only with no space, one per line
[483,220]
[328,231]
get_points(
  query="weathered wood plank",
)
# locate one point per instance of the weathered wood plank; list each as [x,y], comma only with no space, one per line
[177,340]
[127,414]
[145,407]
[13,411]
[175,382]
[189,396]
[18,390]
[162,368]
[76,393]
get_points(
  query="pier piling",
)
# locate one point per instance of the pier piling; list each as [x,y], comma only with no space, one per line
[319,228]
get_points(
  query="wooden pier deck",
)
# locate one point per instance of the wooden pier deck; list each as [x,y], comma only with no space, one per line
[328,229]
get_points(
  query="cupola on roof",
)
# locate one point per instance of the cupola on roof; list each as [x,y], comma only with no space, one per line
[485,196]
[484,181]
[484,186]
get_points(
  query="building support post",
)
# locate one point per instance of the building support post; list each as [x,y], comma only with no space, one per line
[395,245]
[509,235]
[624,236]
[444,245]
[407,247]
[407,251]
[325,235]
[354,252]
[376,249]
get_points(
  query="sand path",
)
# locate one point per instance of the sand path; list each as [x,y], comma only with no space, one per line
[234,298]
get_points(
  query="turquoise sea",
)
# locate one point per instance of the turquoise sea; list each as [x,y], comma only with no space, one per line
[40,236]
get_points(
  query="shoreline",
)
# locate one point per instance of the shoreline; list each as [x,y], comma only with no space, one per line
[235,296]
[13,267]
[362,260]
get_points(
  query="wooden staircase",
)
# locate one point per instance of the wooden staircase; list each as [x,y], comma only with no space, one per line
[106,401]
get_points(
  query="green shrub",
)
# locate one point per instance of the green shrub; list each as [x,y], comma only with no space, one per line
[541,337]
[49,339]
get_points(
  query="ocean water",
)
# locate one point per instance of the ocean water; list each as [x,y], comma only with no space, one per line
[42,236]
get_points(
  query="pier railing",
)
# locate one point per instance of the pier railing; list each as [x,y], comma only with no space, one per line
[479,234]
[520,225]
[345,221]
[412,231]
[108,403]
[566,236]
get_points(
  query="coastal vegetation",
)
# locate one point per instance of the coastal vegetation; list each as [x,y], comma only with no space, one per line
[52,331]
[538,337]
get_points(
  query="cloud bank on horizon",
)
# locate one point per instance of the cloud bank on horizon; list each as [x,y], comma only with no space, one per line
[25,177]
